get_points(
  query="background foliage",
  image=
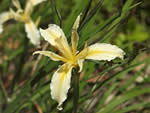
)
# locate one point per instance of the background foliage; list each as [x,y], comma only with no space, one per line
[105,87]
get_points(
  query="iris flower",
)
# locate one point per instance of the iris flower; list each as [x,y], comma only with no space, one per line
[25,17]
[72,58]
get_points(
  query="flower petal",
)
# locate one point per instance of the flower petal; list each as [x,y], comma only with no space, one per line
[3,18]
[102,51]
[77,21]
[1,28]
[52,55]
[29,8]
[60,84]
[75,37]
[15,15]
[16,3]
[83,53]
[32,33]
[36,2]
[52,33]
[37,21]
[56,37]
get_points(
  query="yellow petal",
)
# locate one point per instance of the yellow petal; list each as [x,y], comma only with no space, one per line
[37,21]
[63,47]
[77,21]
[60,84]
[83,53]
[29,8]
[52,55]
[36,2]
[102,51]
[75,37]
[74,41]
[32,33]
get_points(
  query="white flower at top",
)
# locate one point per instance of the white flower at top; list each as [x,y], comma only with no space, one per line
[61,79]
[25,17]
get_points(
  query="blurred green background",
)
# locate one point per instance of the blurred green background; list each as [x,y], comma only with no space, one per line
[119,86]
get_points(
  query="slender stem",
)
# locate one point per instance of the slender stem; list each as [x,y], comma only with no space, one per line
[76,78]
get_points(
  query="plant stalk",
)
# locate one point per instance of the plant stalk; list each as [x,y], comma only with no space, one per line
[76,78]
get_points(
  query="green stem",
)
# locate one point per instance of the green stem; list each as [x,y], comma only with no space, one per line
[76,78]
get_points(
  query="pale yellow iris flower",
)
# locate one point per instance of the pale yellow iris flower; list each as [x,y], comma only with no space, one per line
[61,79]
[25,17]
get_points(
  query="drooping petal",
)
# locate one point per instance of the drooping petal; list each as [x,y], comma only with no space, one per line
[32,33]
[102,51]
[52,33]
[75,37]
[52,55]
[36,2]
[60,84]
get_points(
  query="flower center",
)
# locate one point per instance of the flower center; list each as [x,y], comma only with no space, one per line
[24,18]
[73,61]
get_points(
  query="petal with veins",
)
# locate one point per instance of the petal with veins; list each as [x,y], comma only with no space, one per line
[102,51]
[32,33]
[52,55]
[56,37]
[52,33]
[60,84]
[63,47]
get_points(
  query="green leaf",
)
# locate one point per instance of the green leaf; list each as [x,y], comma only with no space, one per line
[125,97]
[105,96]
